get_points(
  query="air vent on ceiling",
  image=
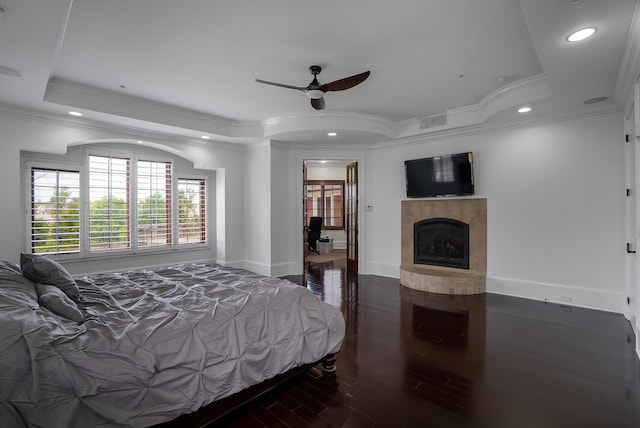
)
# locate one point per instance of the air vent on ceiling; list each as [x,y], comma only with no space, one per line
[433,121]
[595,100]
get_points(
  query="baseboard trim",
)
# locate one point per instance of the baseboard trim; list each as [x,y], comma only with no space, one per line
[381,269]
[609,301]
[273,270]
[557,293]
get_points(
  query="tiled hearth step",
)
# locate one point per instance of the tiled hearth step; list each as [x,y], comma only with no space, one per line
[441,281]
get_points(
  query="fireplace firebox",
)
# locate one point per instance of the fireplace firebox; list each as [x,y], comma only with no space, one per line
[441,242]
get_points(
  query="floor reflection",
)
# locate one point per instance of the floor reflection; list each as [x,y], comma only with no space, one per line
[438,340]
[443,337]
[414,359]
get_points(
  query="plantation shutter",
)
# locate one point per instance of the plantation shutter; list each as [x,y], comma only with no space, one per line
[154,203]
[55,211]
[191,211]
[109,203]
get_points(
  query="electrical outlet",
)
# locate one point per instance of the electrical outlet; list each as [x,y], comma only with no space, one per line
[566,299]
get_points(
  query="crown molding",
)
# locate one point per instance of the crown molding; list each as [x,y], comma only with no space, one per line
[119,132]
[484,128]
[335,120]
[629,73]
[376,131]
[516,93]
[64,92]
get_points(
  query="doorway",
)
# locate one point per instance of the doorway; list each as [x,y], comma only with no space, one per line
[330,191]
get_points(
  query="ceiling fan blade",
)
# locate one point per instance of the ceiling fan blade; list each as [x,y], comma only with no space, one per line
[346,83]
[282,85]
[317,103]
[315,91]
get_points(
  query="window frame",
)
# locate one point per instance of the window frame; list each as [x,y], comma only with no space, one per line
[324,183]
[204,208]
[29,166]
[171,214]
[82,167]
[85,184]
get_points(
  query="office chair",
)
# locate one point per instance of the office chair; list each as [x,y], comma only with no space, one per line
[315,226]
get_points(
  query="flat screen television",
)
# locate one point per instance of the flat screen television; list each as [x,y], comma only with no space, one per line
[447,175]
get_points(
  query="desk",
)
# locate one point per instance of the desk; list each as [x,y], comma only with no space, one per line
[325,247]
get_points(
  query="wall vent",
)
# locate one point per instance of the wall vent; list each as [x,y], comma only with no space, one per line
[433,121]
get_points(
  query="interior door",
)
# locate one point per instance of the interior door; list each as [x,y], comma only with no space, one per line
[351,202]
[305,226]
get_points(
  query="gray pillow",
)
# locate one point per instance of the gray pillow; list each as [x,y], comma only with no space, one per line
[41,269]
[10,267]
[14,286]
[52,298]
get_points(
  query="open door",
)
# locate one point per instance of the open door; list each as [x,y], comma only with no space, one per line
[305,226]
[351,202]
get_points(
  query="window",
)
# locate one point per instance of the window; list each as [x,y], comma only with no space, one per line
[154,203]
[326,199]
[109,204]
[191,211]
[55,211]
[132,204]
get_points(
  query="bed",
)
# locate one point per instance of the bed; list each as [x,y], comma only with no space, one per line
[142,347]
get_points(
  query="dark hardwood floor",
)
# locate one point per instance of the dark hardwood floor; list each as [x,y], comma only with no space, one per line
[414,359]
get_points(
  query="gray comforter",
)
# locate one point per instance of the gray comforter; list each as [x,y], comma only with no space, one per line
[153,344]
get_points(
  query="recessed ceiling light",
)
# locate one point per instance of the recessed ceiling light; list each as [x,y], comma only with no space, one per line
[582,34]
[524,109]
[501,79]
[75,113]
[332,134]
[205,137]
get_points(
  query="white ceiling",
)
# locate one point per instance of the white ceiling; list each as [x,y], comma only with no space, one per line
[188,67]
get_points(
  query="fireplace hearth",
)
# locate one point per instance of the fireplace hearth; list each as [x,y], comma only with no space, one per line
[441,242]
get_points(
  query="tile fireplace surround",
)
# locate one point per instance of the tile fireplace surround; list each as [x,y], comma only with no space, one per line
[439,279]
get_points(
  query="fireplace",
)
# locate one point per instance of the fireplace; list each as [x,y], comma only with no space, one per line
[441,242]
[449,254]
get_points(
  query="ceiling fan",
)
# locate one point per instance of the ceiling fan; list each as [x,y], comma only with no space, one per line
[315,91]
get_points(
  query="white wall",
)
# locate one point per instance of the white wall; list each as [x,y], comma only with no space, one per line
[283,191]
[269,197]
[40,134]
[257,200]
[327,171]
[632,163]
[555,196]
[555,201]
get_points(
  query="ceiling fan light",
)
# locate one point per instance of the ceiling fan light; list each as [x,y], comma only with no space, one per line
[314,94]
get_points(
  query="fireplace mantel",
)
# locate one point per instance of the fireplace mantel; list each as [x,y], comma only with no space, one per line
[439,279]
